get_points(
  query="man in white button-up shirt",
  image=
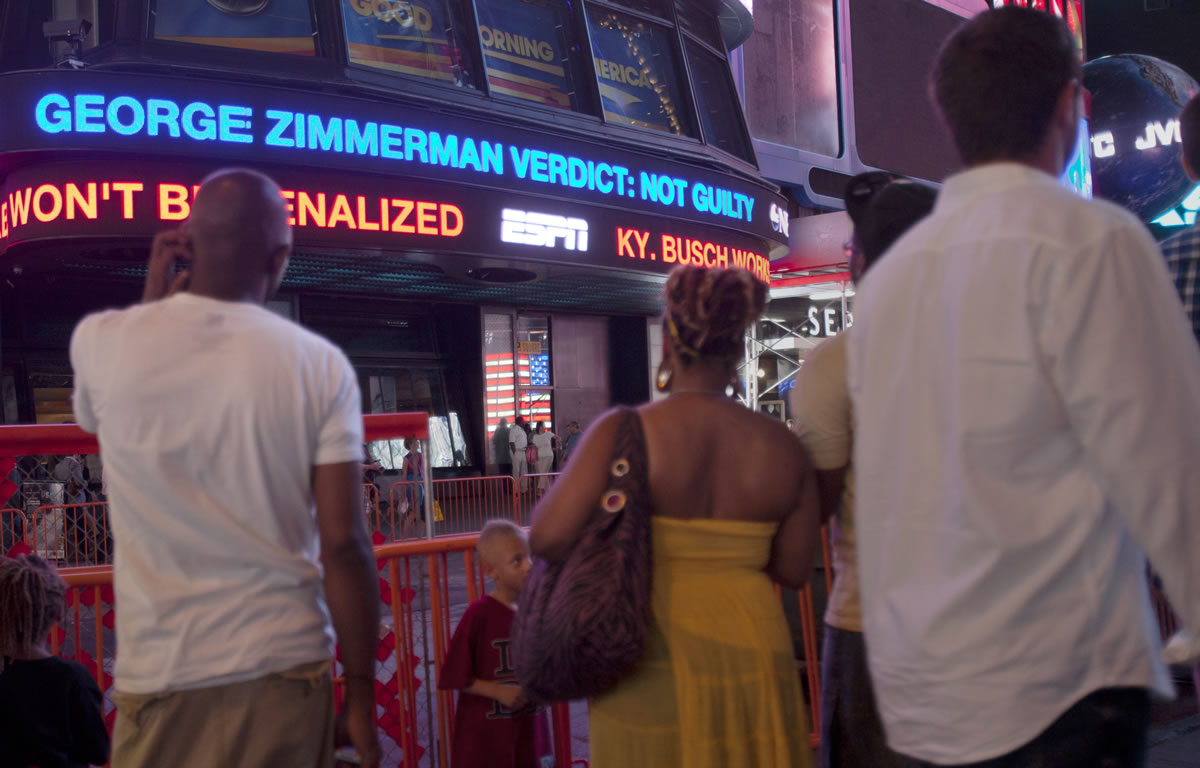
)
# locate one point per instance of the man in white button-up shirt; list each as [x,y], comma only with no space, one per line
[1028,400]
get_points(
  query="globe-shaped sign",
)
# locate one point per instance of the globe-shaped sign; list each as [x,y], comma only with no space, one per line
[1136,102]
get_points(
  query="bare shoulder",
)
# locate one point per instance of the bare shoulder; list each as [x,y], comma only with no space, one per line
[774,435]
[602,432]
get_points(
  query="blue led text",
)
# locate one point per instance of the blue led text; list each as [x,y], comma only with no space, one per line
[129,116]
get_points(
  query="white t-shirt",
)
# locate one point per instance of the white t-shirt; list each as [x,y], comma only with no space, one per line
[545,444]
[824,422]
[211,416]
[517,437]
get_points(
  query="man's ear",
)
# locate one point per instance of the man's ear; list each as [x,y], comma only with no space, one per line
[279,259]
[1189,170]
[1067,111]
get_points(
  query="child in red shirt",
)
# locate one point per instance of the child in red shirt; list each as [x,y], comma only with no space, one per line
[494,724]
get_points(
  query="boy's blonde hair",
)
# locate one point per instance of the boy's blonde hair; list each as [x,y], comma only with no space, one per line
[492,531]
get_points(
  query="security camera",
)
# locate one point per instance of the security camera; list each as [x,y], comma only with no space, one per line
[72,32]
[66,30]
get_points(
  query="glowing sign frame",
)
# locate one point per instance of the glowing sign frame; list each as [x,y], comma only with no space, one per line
[56,201]
[95,111]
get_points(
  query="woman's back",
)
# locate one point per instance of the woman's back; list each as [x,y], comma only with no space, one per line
[711,457]
[733,508]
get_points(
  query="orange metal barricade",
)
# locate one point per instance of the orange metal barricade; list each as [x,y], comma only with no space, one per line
[14,528]
[464,504]
[425,586]
[71,534]
[370,501]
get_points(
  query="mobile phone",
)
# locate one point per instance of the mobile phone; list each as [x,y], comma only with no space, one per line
[348,755]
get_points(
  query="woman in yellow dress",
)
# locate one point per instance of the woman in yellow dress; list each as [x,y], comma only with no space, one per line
[734,510]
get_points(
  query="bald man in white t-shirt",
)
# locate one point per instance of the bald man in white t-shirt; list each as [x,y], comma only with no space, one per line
[232,441]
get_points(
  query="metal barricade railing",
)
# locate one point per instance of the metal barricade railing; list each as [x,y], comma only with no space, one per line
[429,574]
[370,500]
[14,527]
[425,586]
[71,534]
[459,506]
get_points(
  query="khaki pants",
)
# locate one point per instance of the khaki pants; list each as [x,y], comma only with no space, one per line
[283,720]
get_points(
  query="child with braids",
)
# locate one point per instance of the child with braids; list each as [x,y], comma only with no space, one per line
[50,708]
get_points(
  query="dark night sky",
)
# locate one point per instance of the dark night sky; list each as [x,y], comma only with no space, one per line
[1124,26]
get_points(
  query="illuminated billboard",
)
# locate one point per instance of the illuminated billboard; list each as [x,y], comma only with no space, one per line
[222,124]
[1135,143]
[1078,173]
[1071,11]
[56,201]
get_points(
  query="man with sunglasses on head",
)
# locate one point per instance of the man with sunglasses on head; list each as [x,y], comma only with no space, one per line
[1026,391]
[881,207]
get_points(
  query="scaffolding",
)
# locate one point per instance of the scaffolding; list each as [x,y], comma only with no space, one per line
[756,349]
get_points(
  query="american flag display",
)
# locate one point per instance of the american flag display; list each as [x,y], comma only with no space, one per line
[539,370]
[501,389]
[502,401]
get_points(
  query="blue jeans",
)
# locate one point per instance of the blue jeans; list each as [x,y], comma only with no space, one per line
[851,731]
[1106,729]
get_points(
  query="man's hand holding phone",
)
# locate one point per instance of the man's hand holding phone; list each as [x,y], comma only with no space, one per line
[170,248]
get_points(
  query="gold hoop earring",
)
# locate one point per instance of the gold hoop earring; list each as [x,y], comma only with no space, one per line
[663,381]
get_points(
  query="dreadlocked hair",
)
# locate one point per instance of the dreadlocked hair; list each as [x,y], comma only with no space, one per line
[32,600]
[708,311]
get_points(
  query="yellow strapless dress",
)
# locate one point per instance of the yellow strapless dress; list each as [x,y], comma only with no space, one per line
[718,687]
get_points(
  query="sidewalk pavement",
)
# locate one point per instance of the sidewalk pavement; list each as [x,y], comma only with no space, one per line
[1176,745]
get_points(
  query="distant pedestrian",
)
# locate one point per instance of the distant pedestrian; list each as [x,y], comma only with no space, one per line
[371,467]
[545,441]
[414,478]
[500,449]
[1183,250]
[570,442]
[518,441]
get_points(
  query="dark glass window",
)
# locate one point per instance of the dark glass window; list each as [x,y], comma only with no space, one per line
[275,26]
[639,77]
[717,102]
[895,124]
[696,20]
[413,38]
[651,7]
[407,390]
[529,50]
[790,66]
[367,335]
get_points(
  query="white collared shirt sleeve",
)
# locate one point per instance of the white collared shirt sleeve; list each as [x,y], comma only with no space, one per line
[1126,364]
